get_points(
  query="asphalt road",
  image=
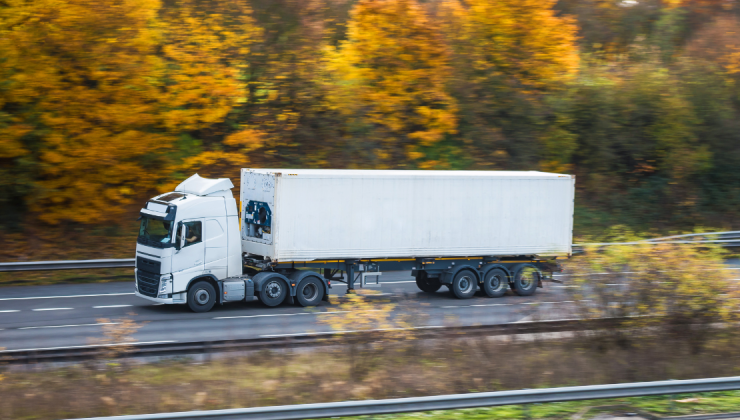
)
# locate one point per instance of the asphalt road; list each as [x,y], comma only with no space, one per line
[70,315]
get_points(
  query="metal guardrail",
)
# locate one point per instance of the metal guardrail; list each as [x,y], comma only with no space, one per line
[67,265]
[450,402]
[728,239]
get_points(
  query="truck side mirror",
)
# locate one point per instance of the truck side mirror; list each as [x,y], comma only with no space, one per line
[179,236]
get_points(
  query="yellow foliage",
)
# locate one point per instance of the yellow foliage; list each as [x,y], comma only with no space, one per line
[520,39]
[107,86]
[358,313]
[682,286]
[392,73]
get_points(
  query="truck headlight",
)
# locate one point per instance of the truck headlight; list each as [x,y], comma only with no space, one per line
[165,286]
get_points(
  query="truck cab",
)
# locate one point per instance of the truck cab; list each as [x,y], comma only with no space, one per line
[186,237]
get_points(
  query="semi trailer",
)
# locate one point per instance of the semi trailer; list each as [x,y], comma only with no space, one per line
[297,231]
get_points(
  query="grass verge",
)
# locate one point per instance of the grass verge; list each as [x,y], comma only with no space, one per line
[395,369]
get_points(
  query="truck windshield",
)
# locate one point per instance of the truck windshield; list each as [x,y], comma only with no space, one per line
[155,232]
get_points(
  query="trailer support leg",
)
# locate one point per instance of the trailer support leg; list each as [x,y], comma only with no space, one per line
[350,270]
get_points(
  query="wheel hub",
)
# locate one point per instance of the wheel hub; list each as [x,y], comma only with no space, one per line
[202,296]
[526,280]
[466,284]
[310,291]
[273,289]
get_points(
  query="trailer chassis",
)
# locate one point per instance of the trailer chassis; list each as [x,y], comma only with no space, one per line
[463,275]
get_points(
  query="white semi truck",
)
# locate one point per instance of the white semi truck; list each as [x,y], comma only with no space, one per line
[296,231]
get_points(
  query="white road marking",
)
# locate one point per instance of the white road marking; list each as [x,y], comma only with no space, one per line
[111,306]
[260,316]
[9,310]
[299,313]
[394,282]
[468,306]
[52,309]
[92,345]
[64,297]
[64,326]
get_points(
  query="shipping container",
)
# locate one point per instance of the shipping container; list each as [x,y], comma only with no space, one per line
[328,214]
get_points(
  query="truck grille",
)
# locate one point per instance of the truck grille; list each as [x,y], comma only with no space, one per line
[147,283]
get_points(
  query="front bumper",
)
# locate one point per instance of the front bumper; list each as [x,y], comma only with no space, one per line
[156,300]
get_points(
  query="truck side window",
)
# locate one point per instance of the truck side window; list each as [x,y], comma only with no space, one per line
[193,233]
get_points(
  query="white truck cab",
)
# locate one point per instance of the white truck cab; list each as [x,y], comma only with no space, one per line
[188,236]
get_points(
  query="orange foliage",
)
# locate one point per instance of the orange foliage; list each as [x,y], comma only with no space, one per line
[391,74]
[519,39]
[106,86]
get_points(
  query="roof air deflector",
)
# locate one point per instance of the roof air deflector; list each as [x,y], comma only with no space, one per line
[203,186]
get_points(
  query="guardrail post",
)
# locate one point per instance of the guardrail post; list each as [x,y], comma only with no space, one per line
[525,411]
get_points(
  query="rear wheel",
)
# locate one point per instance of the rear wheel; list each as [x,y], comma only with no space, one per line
[495,283]
[464,284]
[525,281]
[426,283]
[310,292]
[201,297]
[273,292]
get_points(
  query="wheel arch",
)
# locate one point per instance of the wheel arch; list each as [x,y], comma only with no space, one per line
[449,274]
[299,276]
[488,267]
[260,278]
[210,278]
[519,267]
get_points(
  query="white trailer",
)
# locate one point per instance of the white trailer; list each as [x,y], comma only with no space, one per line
[467,230]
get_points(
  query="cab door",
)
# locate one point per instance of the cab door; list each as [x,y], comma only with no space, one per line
[188,262]
[216,247]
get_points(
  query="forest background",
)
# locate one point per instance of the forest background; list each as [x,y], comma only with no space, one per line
[104,104]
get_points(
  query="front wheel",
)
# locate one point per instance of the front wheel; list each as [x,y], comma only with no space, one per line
[201,297]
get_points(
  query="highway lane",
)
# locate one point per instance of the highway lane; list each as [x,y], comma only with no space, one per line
[70,315]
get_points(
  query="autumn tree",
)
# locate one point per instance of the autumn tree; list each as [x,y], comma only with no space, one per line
[391,76]
[508,55]
[285,119]
[96,94]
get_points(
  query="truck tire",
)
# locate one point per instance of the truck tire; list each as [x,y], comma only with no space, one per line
[310,292]
[525,281]
[273,292]
[201,297]
[464,284]
[427,284]
[495,283]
